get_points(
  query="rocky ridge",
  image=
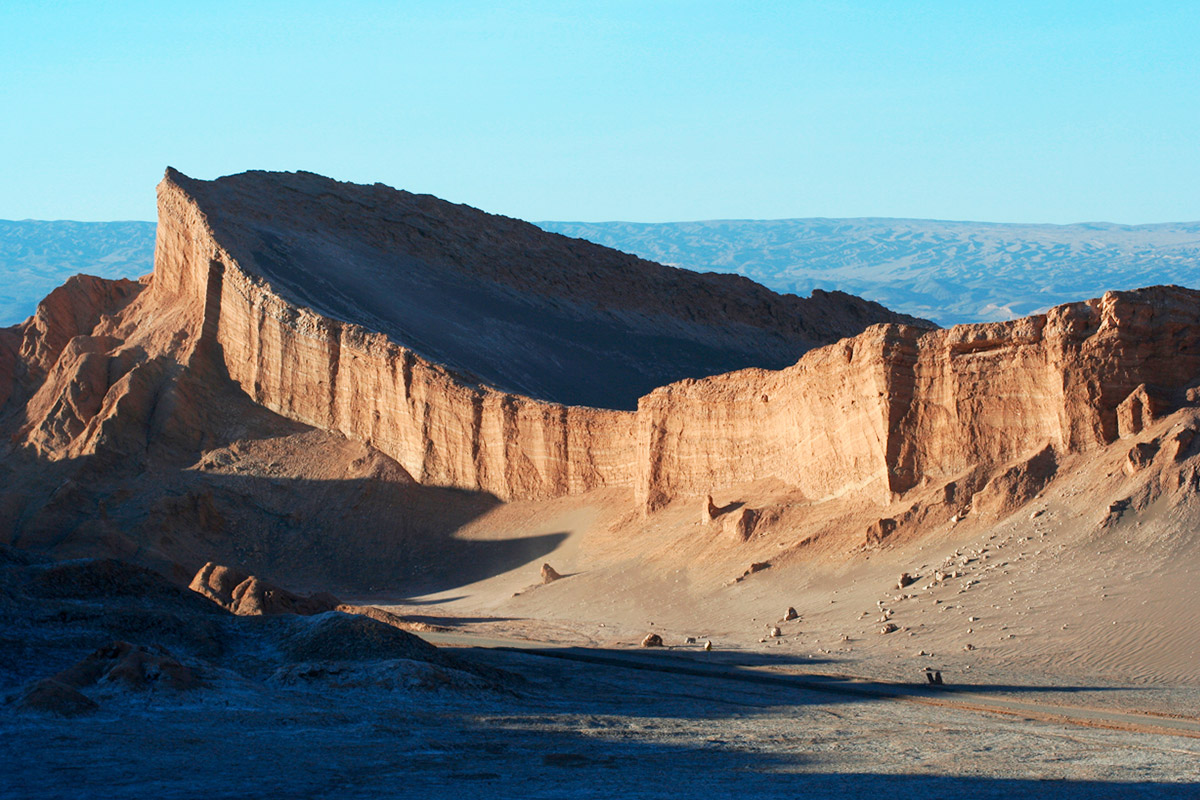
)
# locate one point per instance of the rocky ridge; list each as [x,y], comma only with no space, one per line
[110,371]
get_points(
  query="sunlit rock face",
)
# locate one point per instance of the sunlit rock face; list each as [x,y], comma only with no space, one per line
[478,352]
[496,299]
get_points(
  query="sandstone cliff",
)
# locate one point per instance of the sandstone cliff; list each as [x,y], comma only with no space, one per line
[324,302]
[499,301]
[329,305]
[897,407]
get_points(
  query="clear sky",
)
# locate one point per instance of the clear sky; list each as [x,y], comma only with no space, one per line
[649,111]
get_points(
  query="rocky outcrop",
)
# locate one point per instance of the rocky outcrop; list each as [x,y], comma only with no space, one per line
[421,388]
[496,300]
[739,526]
[1015,486]
[248,596]
[323,302]
[898,407]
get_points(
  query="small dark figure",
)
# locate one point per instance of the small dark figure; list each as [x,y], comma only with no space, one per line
[934,677]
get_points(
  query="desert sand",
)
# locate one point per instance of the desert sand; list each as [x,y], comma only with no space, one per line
[240,502]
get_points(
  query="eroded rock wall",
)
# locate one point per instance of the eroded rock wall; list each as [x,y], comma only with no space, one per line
[890,410]
[896,407]
[442,429]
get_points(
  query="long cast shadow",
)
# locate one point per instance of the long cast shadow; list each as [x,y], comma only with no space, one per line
[357,536]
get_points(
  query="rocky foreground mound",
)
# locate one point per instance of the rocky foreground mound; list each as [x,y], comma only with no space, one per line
[316,371]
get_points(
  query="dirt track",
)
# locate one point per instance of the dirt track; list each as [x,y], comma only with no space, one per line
[741,667]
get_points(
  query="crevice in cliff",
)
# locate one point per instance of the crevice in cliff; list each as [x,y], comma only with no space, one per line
[899,379]
[334,336]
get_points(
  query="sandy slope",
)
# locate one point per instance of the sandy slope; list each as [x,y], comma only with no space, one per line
[1061,591]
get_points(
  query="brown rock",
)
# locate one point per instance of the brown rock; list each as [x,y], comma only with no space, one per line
[775,632]
[828,426]
[905,579]
[217,583]
[549,574]
[652,640]
[674,323]
[247,595]
[739,525]
[757,566]
[388,618]
[54,697]
[1137,411]
[791,614]
[1179,443]
[132,666]
[879,530]
[888,627]
[1140,456]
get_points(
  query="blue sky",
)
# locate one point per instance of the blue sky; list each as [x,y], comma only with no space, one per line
[647,111]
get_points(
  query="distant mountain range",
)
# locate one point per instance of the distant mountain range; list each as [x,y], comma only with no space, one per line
[36,256]
[949,272]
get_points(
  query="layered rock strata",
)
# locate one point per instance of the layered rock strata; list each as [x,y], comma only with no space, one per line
[896,406]
[232,249]
[237,295]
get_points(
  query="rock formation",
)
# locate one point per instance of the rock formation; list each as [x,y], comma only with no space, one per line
[247,595]
[450,345]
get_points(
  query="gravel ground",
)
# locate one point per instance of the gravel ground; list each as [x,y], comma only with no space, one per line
[565,729]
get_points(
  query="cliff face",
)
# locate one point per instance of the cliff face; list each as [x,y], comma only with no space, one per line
[246,289]
[227,250]
[498,301]
[896,407]
[443,428]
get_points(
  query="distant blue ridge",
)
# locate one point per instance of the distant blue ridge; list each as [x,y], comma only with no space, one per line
[949,272]
[36,256]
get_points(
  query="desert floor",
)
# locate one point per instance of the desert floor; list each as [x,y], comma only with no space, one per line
[1070,669]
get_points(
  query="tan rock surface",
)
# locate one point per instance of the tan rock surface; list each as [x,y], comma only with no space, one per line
[278,421]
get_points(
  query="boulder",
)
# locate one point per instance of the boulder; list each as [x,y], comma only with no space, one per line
[248,595]
[1140,456]
[740,524]
[652,640]
[879,530]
